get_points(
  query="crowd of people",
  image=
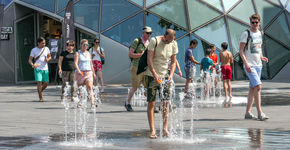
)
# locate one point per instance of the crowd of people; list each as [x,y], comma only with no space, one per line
[85,67]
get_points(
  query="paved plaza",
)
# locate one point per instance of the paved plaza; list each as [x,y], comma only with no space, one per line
[23,116]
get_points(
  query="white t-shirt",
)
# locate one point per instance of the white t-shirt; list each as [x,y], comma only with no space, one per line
[97,56]
[254,49]
[35,52]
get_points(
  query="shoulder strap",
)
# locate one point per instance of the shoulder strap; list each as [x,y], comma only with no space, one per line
[39,54]
[156,43]
[248,39]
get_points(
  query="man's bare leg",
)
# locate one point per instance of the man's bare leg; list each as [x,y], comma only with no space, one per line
[150,115]
[225,88]
[165,116]
[230,88]
[250,100]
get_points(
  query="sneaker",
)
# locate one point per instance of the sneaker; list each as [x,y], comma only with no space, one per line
[250,116]
[129,107]
[262,117]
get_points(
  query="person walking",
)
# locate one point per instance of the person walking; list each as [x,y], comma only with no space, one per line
[161,49]
[226,59]
[251,53]
[98,54]
[136,50]
[190,64]
[41,55]
[84,69]
[66,67]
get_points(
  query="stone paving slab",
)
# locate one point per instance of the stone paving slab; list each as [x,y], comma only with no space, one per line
[22,115]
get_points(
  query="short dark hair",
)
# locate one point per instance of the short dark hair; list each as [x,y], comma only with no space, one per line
[211,46]
[40,39]
[194,42]
[170,32]
[207,52]
[96,39]
[224,45]
[70,42]
[255,16]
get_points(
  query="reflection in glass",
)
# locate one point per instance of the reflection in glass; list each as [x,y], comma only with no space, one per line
[247,9]
[276,62]
[139,2]
[86,12]
[127,31]
[194,8]
[256,138]
[182,46]
[114,11]
[236,29]
[172,10]
[279,30]
[5,2]
[267,11]
[159,26]
[150,2]
[239,72]
[215,3]
[47,4]
[61,4]
[218,33]
[229,4]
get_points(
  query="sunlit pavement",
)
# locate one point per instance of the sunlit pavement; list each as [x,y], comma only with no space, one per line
[23,117]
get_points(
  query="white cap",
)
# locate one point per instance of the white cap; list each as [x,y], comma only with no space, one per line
[147,29]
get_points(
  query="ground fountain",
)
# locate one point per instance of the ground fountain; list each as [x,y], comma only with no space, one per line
[139,97]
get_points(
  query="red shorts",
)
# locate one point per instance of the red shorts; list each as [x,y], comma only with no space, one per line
[227,72]
[97,65]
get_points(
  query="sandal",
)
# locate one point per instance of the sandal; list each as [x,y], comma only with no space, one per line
[41,100]
[79,105]
[166,134]
[153,136]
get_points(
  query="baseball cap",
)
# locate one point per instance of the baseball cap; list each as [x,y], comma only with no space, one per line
[147,29]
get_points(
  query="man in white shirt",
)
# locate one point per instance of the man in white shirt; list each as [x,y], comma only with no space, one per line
[41,55]
[252,56]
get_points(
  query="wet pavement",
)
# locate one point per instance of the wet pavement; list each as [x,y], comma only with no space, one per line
[29,124]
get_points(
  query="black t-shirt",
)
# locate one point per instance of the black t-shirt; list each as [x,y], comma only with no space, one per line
[68,61]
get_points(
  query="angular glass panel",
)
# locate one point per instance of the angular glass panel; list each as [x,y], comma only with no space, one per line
[127,31]
[216,3]
[5,2]
[61,13]
[114,11]
[214,33]
[159,26]
[275,1]
[61,4]
[267,11]
[283,2]
[139,2]
[86,12]
[150,2]
[195,8]
[182,46]
[172,10]
[288,7]
[236,29]
[229,4]
[47,4]
[288,16]
[279,30]
[276,62]
[243,11]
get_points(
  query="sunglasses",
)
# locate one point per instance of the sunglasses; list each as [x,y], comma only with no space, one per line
[149,33]
[85,44]
[97,42]
[253,22]
[71,45]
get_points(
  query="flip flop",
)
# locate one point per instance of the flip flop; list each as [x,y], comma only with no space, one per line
[153,136]
[41,100]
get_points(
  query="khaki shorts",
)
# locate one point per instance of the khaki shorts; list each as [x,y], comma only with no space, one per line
[153,86]
[137,79]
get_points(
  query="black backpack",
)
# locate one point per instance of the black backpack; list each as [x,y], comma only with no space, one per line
[139,42]
[240,62]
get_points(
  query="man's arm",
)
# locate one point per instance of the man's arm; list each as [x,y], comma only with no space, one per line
[48,57]
[172,66]
[265,59]
[242,54]
[134,55]
[178,67]
[193,60]
[150,55]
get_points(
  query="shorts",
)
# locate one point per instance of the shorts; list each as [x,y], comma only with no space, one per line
[87,77]
[97,65]
[189,72]
[254,76]
[137,79]
[41,75]
[226,72]
[153,86]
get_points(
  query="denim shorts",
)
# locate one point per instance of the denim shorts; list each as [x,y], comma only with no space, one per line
[254,76]
[189,72]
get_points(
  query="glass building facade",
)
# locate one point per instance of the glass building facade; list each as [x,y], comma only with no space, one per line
[208,21]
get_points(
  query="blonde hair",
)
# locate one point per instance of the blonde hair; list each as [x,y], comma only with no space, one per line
[83,41]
